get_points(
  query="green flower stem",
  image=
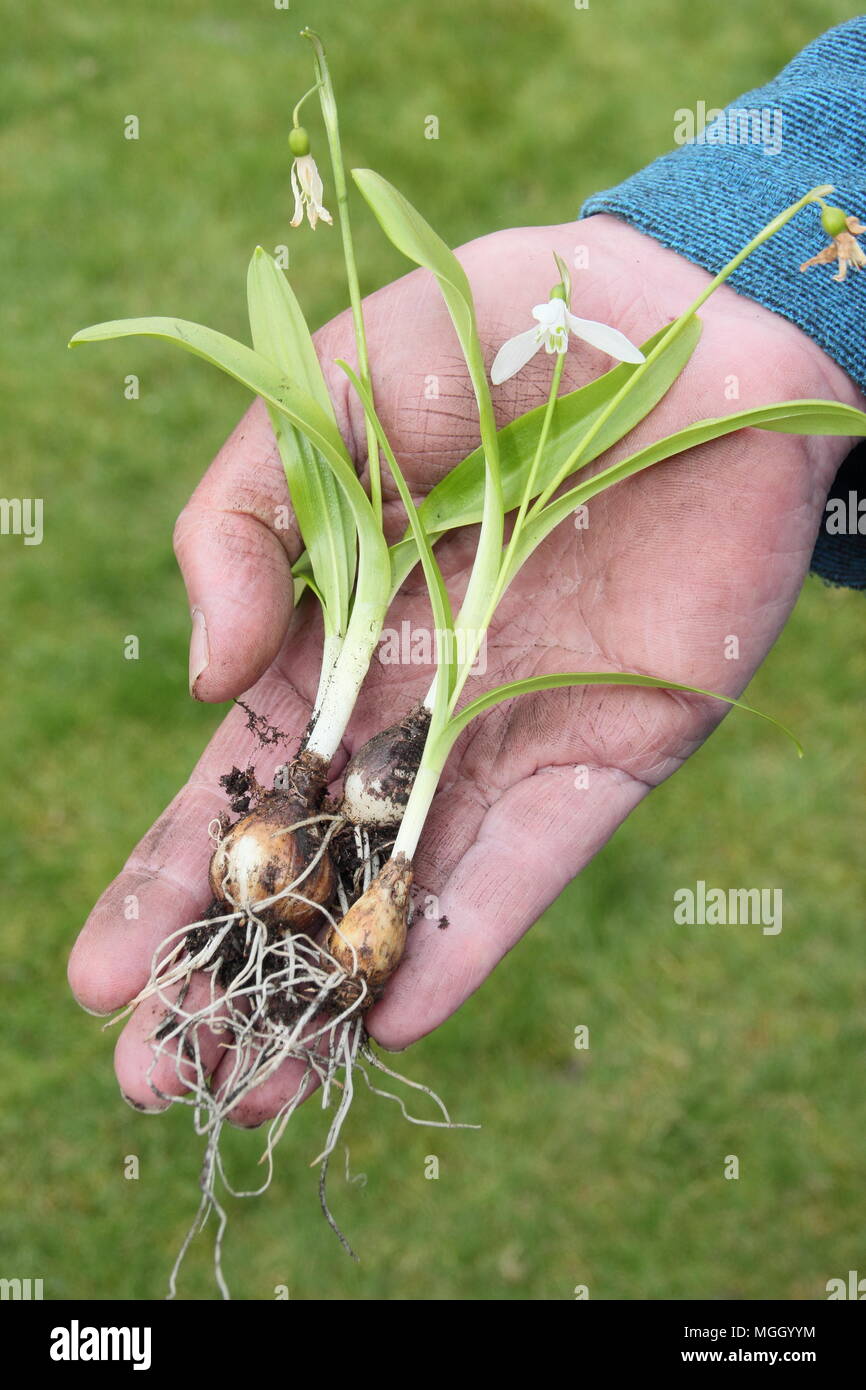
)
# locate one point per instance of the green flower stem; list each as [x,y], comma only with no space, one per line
[436,751]
[501,581]
[297,111]
[329,114]
[675,329]
[439,739]
[539,450]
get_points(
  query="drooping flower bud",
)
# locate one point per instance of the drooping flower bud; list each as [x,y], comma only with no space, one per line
[844,248]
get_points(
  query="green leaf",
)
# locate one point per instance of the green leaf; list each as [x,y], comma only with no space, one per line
[440,602]
[458,722]
[265,380]
[788,417]
[234,358]
[457,499]
[409,232]
[285,338]
[280,334]
[809,417]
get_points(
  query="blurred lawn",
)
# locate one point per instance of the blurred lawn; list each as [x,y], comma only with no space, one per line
[604,1167]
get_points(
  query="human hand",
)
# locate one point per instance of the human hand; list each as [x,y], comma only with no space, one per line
[713,543]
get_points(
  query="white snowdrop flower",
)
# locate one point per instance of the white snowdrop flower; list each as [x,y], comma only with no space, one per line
[554,323]
[307,183]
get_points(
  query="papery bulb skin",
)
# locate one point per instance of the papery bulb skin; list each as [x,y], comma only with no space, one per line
[261,856]
[379,776]
[369,942]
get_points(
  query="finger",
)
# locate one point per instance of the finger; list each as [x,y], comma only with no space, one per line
[235,542]
[164,884]
[151,1064]
[269,1096]
[527,846]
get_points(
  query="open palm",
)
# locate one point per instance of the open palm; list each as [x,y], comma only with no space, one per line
[687,571]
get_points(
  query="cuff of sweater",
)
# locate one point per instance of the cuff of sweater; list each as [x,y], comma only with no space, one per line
[710,196]
[706,199]
[839,556]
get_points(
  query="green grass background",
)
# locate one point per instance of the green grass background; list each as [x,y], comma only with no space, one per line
[603,1167]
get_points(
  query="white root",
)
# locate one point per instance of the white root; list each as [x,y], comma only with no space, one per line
[295,975]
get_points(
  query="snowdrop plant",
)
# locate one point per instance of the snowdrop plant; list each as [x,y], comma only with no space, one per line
[311,901]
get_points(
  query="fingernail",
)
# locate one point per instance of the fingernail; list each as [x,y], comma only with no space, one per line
[95,1013]
[144,1109]
[199,653]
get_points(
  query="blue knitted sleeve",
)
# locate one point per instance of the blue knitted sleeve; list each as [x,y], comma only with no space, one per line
[806,127]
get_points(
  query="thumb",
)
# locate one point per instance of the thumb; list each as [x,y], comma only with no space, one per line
[235,542]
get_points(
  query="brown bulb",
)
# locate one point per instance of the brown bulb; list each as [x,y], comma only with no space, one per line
[261,855]
[370,940]
[380,775]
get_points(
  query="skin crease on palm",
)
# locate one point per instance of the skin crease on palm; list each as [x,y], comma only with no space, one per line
[712,543]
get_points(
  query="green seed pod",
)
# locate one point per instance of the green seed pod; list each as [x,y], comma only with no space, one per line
[834,221]
[299,141]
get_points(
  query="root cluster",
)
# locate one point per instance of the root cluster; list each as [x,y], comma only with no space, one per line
[276,995]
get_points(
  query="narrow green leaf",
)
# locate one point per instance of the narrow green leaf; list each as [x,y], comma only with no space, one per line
[440,602]
[280,334]
[810,417]
[457,499]
[284,330]
[302,573]
[265,380]
[409,232]
[787,417]
[234,358]
[459,721]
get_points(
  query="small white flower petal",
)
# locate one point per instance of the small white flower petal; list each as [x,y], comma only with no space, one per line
[314,189]
[551,314]
[309,190]
[299,202]
[553,324]
[514,355]
[605,338]
[555,339]
[310,177]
